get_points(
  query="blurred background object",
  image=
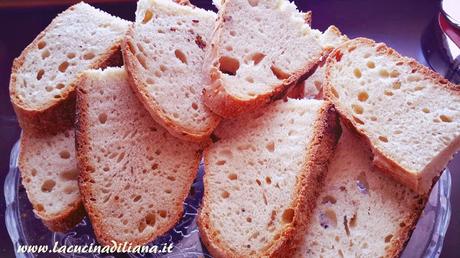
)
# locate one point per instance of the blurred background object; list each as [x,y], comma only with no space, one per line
[441,41]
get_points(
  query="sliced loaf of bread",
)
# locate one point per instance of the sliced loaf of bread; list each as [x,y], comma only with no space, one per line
[163,53]
[361,212]
[262,177]
[49,174]
[42,85]
[409,115]
[134,175]
[259,49]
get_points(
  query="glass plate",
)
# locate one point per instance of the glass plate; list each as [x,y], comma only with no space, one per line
[25,228]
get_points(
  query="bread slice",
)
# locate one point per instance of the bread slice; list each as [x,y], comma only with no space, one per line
[259,49]
[163,53]
[312,87]
[49,174]
[361,212]
[262,178]
[43,77]
[409,115]
[134,175]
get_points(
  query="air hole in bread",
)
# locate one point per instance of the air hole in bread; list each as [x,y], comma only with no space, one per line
[163,213]
[150,81]
[288,216]
[388,238]
[41,44]
[221,162]
[357,109]
[64,154]
[383,138]
[181,56]
[253,3]
[40,74]
[257,57]
[394,74]
[71,55]
[328,199]
[168,191]
[155,166]
[137,198]
[232,33]
[89,56]
[49,88]
[229,48]
[363,96]
[426,110]
[121,157]
[373,118]
[39,207]
[228,65]
[279,73]
[270,146]
[60,86]
[353,221]
[63,66]
[384,73]
[45,54]
[445,118]
[249,219]
[258,182]
[34,172]
[69,190]
[268,180]
[102,118]
[396,85]
[48,185]
[157,73]
[141,227]
[147,16]
[171,178]
[413,78]
[388,92]
[334,92]
[357,120]
[141,59]
[225,194]
[357,73]
[232,176]
[175,115]
[194,106]
[370,64]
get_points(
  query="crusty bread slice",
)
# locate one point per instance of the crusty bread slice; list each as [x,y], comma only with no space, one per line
[42,86]
[361,212]
[409,115]
[259,49]
[134,175]
[312,87]
[163,53]
[49,174]
[262,177]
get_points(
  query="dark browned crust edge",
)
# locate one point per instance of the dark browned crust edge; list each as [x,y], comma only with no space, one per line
[327,133]
[396,171]
[59,114]
[86,170]
[65,220]
[224,103]
[132,66]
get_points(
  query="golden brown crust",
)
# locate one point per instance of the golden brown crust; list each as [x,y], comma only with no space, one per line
[327,132]
[382,161]
[139,88]
[59,113]
[65,220]
[86,170]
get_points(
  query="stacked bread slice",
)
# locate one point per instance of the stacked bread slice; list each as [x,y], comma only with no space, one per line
[42,86]
[262,178]
[134,175]
[259,49]
[408,114]
[49,174]
[164,51]
[42,90]
[360,212]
